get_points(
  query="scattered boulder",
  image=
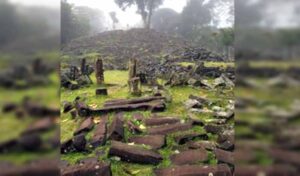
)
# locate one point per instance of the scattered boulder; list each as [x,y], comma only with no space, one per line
[79,142]
[170,128]
[161,121]
[95,169]
[101,91]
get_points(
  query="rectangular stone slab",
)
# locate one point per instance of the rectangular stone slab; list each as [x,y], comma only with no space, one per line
[116,129]
[87,169]
[132,101]
[155,141]
[135,154]
[99,137]
[189,157]
[224,156]
[161,121]
[286,156]
[156,106]
[85,126]
[195,170]
[166,129]
[184,138]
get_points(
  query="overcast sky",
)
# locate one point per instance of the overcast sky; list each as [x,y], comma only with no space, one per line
[128,17]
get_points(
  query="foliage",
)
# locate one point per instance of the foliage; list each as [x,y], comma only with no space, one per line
[71,26]
[165,20]
[144,7]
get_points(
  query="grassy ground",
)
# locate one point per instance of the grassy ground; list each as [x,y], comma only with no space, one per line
[117,88]
[13,126]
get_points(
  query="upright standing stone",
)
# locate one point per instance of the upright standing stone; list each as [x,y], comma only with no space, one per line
[99,71]
[133,81]
[83,66]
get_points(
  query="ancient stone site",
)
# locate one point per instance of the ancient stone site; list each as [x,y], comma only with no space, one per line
[143,104]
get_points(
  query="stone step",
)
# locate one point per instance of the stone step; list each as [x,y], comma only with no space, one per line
[189,157]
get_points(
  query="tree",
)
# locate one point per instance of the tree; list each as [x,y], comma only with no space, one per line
[144,7]
[165,20]
[194,16]
[72,26]
[227,39]
[114,19]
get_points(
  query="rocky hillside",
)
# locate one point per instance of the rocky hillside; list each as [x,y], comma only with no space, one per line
[116,47]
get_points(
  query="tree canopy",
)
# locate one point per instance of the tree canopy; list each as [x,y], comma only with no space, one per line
[144,7]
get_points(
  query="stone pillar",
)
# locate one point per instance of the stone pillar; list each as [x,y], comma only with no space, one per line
[133,80]
[83,66]
[132,68]
[99,71]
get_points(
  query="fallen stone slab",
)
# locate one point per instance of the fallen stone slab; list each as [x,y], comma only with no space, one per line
[224,114]
[184,138]
[135,154]
[207,145]
[101,91]
[79,142]
[9,107]
[214,128]
[41,125]
[171,128]
[202,100]
[87,169]
[116,129]
[67,146]
[155,106]
[286,156]
[99,137]
[273,170]
[36,168]
[224,156]
[160,121]
[226,140]
[67,106]
[197,170]
[155,141]
[30,142]
[132,101]
[189,157]
[6,146]
[85,126]
[37,110]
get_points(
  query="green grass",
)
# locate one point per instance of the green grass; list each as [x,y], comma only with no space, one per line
[275,64]
[13,126]
[116,82]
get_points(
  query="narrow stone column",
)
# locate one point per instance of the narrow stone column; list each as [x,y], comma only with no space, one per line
[99,71]
[133,80]
[83,66]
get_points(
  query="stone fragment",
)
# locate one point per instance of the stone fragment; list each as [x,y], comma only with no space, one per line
[186,137]
[135,154]
[116,129]
[189,157]
[224,156]
[40,125]
[30,142]
[87,169]
[67,106]
[161,121]
[171,128]
[85,126]
[99,137]
[101,91]
[155,141]
[79,142]
[207,145]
